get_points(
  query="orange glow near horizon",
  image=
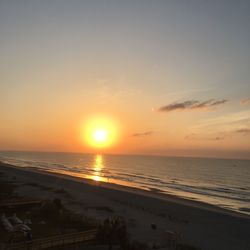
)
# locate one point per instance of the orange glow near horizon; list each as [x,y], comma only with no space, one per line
[100,132]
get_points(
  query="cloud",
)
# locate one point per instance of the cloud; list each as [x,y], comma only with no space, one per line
[192,104]
[229,122]
[186,92]
[193,136]
[243,130]
[217,138]
[147,133]
[245,101]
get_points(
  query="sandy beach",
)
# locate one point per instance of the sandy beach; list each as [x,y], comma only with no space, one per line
[195,223]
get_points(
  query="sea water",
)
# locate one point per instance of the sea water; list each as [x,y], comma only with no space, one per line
[221,182]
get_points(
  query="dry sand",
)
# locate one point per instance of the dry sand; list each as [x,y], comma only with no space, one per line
[196,223]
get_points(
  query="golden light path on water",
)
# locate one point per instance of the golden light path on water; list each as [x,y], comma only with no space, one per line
[98,167]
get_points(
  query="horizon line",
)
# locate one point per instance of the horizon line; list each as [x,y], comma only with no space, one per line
[126,154]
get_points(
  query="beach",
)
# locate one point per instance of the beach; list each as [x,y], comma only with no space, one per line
[195,223]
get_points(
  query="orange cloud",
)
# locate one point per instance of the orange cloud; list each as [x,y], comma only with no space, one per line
[245,101]
[147,133]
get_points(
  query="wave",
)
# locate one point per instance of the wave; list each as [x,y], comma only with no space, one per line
[193,183]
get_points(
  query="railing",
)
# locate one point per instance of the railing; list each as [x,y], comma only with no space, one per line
[54,241]
[20,203]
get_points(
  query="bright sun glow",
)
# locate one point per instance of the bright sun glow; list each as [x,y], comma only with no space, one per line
[100,132]
[100,136]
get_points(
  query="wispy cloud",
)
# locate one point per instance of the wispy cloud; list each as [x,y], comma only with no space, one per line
[245,101]
[230,121]
[186,93]
[147,133]
[194,136]
[192,105]
[243,130]
[221,135]
[217,138]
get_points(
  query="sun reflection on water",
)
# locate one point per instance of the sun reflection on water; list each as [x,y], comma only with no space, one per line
[97,169]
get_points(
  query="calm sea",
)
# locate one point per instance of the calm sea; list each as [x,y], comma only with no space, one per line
[225,183]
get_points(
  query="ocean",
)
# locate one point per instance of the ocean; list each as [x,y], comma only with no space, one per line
[221,182]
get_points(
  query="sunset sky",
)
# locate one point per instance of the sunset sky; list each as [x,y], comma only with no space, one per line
[173,77]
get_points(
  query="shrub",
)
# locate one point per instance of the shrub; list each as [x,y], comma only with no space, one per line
[113,231]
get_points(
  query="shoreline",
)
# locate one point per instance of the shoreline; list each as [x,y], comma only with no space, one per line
[195,223]
[148,193]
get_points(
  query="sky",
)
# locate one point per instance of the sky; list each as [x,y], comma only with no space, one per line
[174,76]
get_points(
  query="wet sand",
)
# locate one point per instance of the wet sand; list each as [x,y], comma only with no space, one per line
[195,223]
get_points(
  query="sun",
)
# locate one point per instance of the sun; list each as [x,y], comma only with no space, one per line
[100,135]
[100,132]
